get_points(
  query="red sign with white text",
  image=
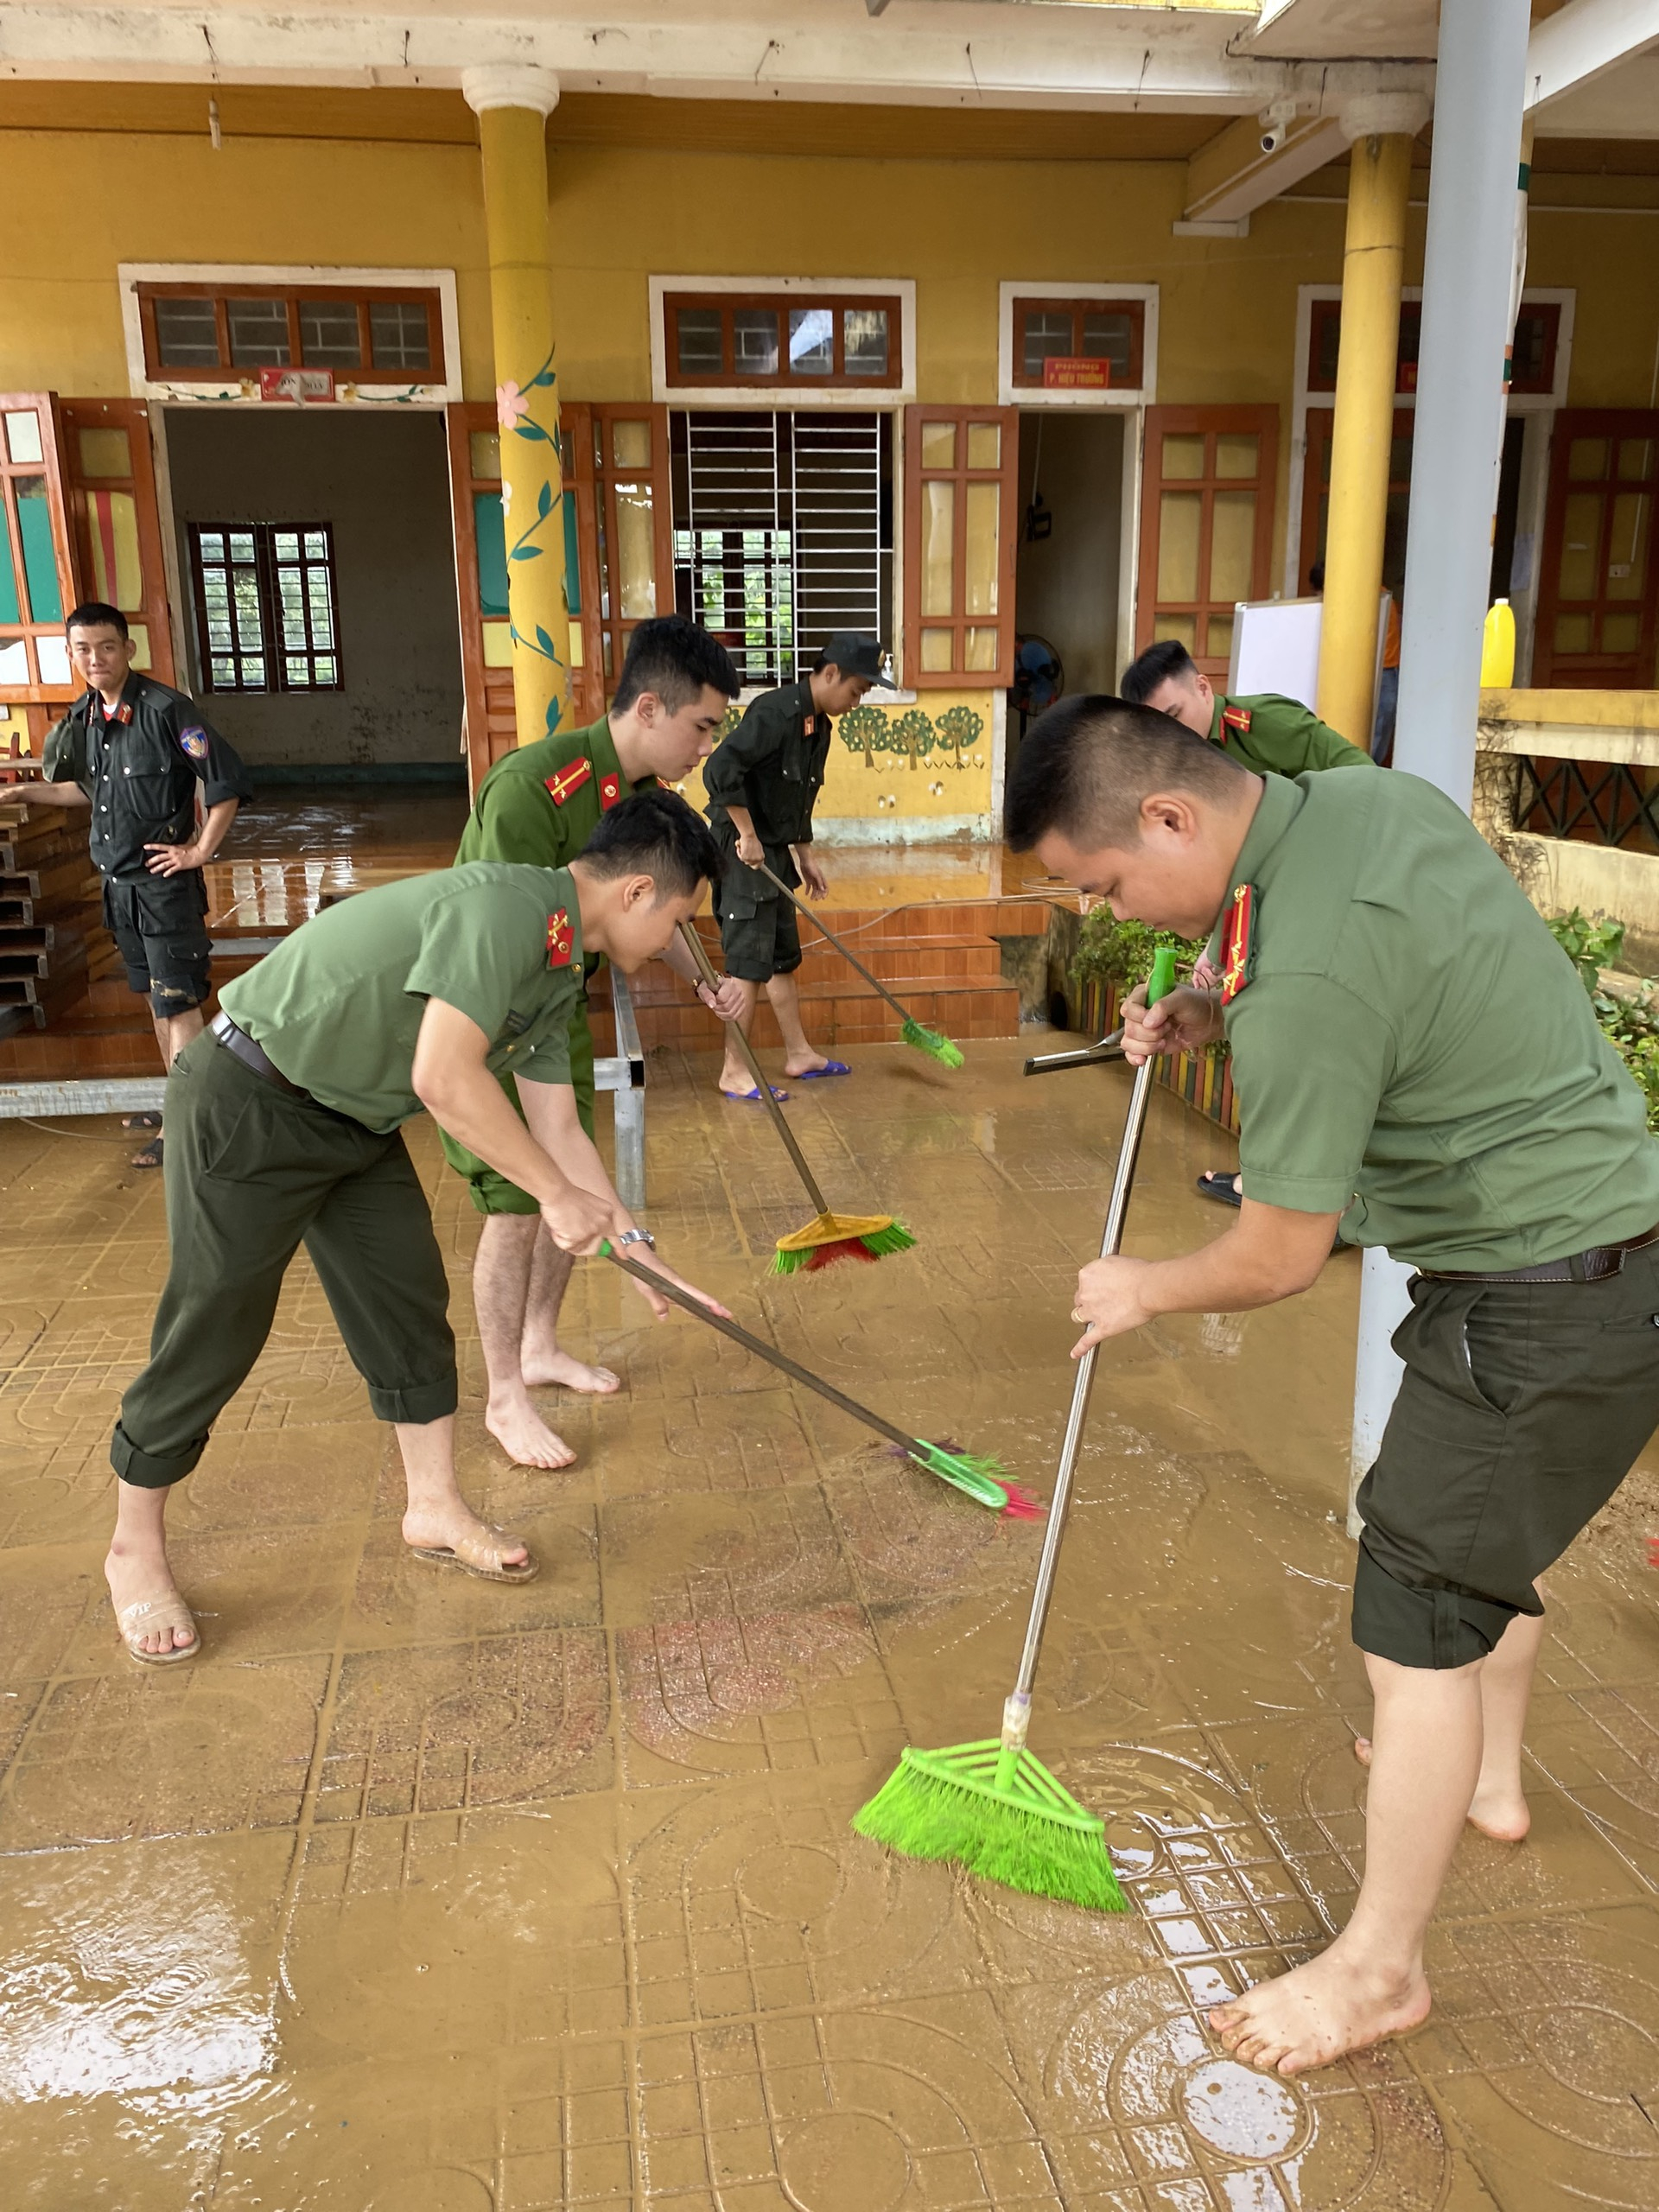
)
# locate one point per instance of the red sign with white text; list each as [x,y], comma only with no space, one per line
[1076,372]
[299,385]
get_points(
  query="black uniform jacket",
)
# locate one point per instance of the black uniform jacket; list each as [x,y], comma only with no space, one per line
[141,769]
[772,764]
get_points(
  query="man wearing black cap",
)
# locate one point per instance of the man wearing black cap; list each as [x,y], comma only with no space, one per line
[762,784]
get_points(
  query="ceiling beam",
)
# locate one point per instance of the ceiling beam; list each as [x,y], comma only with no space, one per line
[1583,42]
[1235,174]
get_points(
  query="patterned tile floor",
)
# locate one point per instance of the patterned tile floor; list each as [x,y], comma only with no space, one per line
[418,1895]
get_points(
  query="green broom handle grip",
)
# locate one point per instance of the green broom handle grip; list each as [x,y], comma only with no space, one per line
[850,957]
[705,974]
[761,1350]
[1017,1709]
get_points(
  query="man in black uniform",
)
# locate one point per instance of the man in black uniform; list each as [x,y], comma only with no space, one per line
[133,752]
[763,782]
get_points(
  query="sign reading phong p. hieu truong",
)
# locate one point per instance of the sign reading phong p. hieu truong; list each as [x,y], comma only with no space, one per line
[1076,372]
[296,384]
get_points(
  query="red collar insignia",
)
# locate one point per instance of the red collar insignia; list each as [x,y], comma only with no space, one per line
[1238,944]
[561,936]
[610,791]
[123,713]
[1237,718]
[569,780]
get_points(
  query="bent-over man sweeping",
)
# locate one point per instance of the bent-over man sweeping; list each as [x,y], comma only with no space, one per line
[1414,1059]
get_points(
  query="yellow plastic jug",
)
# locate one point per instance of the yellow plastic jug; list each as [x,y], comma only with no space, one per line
[1498,647]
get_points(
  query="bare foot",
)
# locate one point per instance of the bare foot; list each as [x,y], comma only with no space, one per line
[1503,1814]
[524,1436]
[543,1369]
[800,1063]
[133,1575]
[433,1527]
[1314,2015]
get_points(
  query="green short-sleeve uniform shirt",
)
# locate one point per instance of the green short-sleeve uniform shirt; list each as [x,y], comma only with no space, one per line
[338,1005]
[542,803]
[1411,1047]
[1276,736]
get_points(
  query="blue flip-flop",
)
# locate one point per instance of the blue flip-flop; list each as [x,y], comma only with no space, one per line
[816,1075]
[753,1097]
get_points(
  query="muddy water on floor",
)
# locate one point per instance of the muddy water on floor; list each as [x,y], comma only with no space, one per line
[421,1895]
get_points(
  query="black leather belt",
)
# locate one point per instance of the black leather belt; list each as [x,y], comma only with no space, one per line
[237,1043]
[1593,1266]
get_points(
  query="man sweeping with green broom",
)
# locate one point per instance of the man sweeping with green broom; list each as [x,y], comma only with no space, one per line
[1414,1057]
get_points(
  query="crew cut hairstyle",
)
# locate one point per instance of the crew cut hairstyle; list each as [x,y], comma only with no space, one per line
[94,615]
[1168,658]
[1085,767]
[656,834]
[674,656]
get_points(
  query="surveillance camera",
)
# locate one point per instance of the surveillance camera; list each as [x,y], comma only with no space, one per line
[1273,137]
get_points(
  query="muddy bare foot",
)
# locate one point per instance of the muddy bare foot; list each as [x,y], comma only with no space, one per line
[542,1371]
[525,1436]
[1502,1815]
[432,1527]
[1316,2015]
[136,1578]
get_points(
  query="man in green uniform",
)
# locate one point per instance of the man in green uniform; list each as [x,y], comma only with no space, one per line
[541,804]
[134,754]
[1414,1059]
[1265,731]
[762,785]
[284,1125]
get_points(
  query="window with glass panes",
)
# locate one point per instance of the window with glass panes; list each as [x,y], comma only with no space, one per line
[1113,331]
[196,332]
[266,609]
[782,339]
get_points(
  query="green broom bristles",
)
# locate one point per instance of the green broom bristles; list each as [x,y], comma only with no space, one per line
[1028,1834]
[841,1239]
[937,1047]
[983,1480]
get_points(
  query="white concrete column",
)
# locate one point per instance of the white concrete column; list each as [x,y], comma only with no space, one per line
[1468,272]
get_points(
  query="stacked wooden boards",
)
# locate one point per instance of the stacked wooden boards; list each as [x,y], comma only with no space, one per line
[49,910]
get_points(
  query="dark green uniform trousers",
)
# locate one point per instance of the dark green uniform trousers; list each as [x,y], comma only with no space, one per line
[251,1172]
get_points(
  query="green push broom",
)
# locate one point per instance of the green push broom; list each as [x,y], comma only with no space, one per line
[982,1480]
[993,1807]
[829,1237]
[937,1047]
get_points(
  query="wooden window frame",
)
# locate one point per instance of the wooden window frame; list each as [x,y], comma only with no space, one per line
[45,406]
[1324,312]
[1025,304]
[729,378]
[275,653]
[1262,423]
[363,297]
[1555,669]
[1007,475]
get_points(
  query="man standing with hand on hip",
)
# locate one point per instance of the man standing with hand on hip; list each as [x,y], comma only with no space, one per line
[1415,1058]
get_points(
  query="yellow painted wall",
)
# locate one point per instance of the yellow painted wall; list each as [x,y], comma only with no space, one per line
[924,762]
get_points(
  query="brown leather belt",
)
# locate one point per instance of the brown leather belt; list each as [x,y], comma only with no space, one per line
[237,1043]
[1593,1266]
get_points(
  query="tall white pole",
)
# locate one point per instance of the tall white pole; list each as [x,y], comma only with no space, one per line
[1468,271]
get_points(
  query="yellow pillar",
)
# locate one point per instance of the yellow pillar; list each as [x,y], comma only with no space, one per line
[512,104]
[1381,129]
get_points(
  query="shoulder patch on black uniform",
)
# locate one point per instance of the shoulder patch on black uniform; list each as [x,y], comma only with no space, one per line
[194,742]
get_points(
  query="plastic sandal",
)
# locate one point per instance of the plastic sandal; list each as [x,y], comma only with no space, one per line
[751,1097]
[168,1611]
[150,1156]
[816,1074]
[481,1555]
[1220,1188]
[141,1120]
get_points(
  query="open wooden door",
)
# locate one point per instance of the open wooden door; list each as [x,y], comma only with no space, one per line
[38,582]
[1208,481]
[110,481]
[1597,591]
[481,583]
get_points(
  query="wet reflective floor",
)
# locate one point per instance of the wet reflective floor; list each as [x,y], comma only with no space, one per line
[415,1894]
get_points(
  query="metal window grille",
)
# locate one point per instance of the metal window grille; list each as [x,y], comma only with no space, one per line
[783,531]
[267,616]
[1593,802]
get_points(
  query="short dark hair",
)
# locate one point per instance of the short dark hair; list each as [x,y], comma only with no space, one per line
[655,833]
[674,658]
[1316,576]
[95,614]
[1084,766]
[1168,658]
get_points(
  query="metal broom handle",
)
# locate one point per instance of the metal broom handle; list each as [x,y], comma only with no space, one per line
[1017,1710]
[706,975]
[846,952]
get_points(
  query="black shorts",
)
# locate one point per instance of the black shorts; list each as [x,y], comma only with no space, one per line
[760,935]
[1523,1407]
[161,933]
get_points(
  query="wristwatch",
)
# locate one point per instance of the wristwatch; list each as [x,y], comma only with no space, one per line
[638,1236]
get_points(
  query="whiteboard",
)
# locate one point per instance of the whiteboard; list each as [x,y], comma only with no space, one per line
[1276,647]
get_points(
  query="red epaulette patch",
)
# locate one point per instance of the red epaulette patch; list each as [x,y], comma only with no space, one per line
[569,780]
[1237,718]
[560,938]
[610,790]
[1238,944]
